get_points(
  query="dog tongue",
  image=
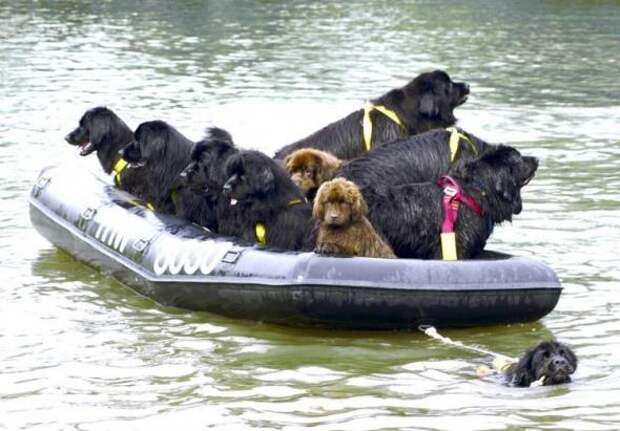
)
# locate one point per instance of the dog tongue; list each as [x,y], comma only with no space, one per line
[86,149]
[233,202]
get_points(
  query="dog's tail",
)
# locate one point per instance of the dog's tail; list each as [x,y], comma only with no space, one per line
[213,134]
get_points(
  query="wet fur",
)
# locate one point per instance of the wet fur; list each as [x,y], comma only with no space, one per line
[106,134]
[409,216]
[164,152]
[420,158]
[264,192]
[205,174]
[551,360]
[425,103]
[309,168]
[344,229]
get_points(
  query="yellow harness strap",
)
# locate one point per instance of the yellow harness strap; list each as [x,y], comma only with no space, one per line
[118,168]
[367,121]
[260,231]
[455,139]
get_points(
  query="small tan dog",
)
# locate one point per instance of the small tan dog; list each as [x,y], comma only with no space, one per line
[344,230]
[309,168]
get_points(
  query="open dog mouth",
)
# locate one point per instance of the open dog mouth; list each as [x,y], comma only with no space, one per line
[462,100]
[139,164]
[87,148]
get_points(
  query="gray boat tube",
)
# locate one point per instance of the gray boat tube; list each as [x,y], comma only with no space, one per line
[180,264]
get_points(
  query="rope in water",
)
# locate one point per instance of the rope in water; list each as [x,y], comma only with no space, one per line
[500,362]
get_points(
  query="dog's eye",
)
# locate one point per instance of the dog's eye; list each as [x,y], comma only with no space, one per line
[546,355]
[561,352]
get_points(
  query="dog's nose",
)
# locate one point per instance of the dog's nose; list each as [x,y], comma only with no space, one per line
[68,138]
[466,87]
[559,362]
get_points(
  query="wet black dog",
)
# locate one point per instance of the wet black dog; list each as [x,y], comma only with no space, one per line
[205,174]
[425,103]
[260,193]
[550,363]
[420,158]
[101,130]
[163,152]
[410,216]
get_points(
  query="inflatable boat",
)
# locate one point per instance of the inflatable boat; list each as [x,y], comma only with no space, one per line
[180,264]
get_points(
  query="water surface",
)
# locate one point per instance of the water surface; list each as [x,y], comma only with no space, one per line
[78,350]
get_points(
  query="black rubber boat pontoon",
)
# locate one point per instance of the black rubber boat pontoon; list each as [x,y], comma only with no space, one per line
[180,264]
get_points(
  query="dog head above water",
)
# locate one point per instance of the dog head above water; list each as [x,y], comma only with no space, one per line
[155,142]
[309,168]
[501,171]
[204,173]
[428,101]
[253,176]
[338,203]
[100,130]
[550,362]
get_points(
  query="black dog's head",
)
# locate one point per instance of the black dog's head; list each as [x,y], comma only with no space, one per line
[150,144]
[163,151]
[204,173]
[428,101]
[500,172]
[103,131]
[253,176]
[550,361]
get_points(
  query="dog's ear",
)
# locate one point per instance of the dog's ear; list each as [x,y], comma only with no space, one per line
[524,373]
[359,208]
[264,182]
[428,104]
[318,208]
[328,165]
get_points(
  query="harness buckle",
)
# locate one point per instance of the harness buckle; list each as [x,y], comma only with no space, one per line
[450,191]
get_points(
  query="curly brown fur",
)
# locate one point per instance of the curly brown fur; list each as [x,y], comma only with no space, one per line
[551,361]
[344,230]
[409,216]
[309,168]
[100,130]
[259,190]
[425,103]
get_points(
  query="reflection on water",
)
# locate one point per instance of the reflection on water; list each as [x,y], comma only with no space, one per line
[80,350]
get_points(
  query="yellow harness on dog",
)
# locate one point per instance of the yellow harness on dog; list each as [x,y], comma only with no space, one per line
[367,121]
[455,140]
[118,169]
[260,231]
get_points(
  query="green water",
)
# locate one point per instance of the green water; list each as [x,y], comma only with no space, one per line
[78,350]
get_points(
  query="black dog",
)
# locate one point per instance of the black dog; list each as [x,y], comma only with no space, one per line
[101,130]
[420,158]
[549,362]
[425,103]
[410,216]
[262,197]
[164,152]
[205,174]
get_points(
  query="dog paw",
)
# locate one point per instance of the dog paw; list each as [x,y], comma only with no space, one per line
[326,249]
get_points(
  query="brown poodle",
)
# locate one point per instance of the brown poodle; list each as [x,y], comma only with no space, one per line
[309,168]
[344,229]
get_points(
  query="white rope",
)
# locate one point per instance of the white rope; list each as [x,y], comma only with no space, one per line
[499,361]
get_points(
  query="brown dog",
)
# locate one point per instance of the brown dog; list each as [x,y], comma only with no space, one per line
[309,168]
[343,227]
